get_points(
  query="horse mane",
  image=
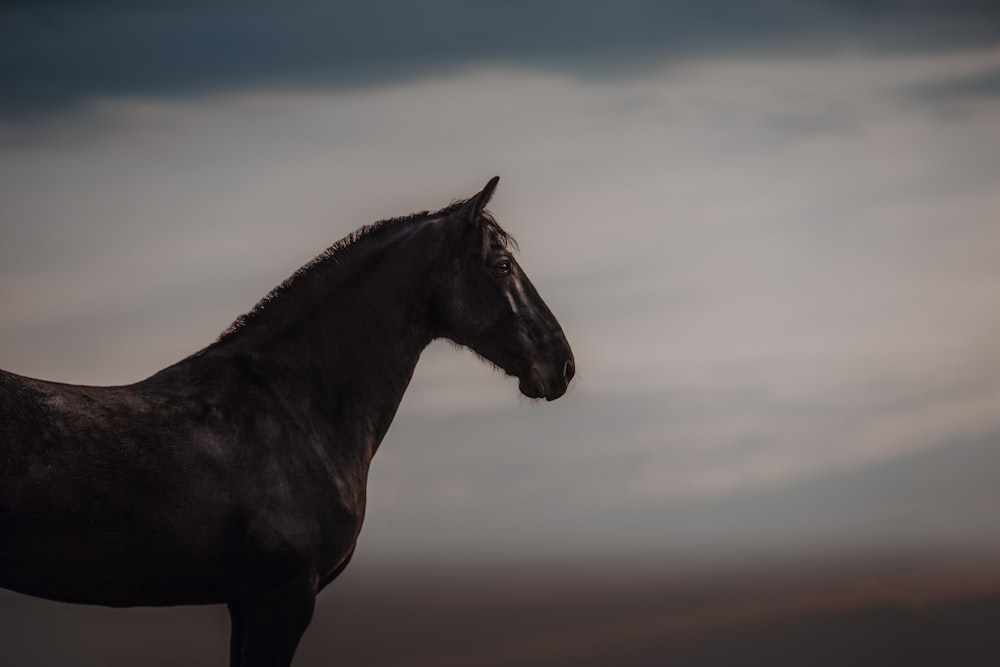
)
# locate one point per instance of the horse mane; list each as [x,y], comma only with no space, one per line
[360,239]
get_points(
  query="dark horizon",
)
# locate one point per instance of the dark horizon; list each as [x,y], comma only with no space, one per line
[893,611]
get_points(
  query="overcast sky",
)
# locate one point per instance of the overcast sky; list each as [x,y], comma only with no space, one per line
[769,229]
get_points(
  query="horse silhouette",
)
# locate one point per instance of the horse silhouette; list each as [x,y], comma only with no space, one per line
[238,475]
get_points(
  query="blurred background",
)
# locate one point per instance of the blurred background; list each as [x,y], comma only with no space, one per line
[770,230]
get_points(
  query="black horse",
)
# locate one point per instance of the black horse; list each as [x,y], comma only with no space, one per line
[238,475]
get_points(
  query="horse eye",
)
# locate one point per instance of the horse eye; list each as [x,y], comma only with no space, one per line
[503,267]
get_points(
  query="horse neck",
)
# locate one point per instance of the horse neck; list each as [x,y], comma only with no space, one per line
[346,340]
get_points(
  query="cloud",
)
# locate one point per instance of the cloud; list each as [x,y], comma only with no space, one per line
[986,84]
[60,57]
[775,273]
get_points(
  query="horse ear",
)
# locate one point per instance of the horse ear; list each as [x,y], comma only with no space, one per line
[475,205]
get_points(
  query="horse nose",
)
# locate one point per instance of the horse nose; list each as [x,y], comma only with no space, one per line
[569,370]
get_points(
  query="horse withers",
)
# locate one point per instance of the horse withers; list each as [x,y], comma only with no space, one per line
[238,475]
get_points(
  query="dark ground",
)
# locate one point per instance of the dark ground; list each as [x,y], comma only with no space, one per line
[902,611]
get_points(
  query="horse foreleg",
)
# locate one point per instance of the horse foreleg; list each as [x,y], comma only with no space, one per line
[267,624]
[236,635]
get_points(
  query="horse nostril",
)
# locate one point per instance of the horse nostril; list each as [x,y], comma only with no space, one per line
[569,370]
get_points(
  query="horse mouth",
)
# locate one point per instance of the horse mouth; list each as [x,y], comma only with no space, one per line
[531,386]
[537,384]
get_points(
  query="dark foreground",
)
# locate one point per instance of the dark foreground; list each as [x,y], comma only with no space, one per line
[912,612]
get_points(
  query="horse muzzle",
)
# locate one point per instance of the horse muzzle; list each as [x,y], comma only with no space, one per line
[548,381]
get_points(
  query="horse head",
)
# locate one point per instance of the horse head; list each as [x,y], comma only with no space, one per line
[488,304]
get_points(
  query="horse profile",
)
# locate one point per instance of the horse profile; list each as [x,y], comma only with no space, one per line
[238,475]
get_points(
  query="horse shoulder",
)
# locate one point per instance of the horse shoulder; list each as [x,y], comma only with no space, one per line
[298,509]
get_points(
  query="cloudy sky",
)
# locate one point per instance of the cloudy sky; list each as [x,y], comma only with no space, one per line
[769,229]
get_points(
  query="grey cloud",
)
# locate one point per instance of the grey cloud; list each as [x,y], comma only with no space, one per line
[569,483]
[982,85]
[57,56]
[753,313]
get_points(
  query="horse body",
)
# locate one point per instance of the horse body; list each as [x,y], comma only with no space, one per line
[161,493]
[226,468]
[238,475]
[98,502]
